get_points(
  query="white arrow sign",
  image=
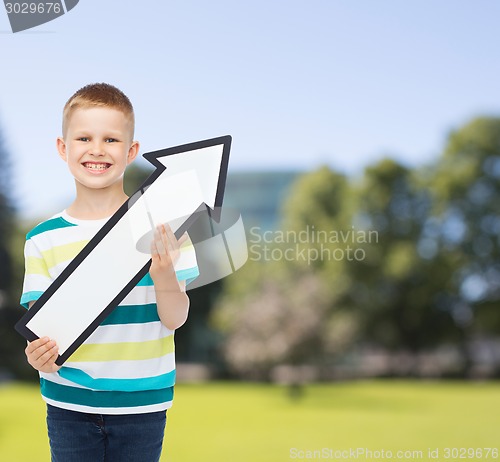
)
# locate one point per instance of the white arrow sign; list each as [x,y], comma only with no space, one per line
[187,180]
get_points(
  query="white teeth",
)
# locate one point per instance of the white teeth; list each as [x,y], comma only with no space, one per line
[96,166]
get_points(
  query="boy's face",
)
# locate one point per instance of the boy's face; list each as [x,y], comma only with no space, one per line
[98,146]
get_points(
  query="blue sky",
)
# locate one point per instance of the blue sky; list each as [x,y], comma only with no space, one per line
[297,84]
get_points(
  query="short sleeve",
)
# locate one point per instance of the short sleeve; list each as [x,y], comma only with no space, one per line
[36,277]
[186,268]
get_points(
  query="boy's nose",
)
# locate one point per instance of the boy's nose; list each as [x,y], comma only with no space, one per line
[97,149]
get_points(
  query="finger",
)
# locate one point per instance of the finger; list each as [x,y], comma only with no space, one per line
[46,351]
[32,346]
[50,365]
[154,252]
[168,237]
[38,347]
[165,238]
[43,350]
[158,241]
[154,247]
[48,357]
[176,243]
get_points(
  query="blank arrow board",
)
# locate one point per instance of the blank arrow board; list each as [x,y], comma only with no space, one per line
[115,260]
[175,193]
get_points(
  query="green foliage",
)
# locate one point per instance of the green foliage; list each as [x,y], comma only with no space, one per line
[394,288]
[317,199]
[6,221]
[135,175]
[465,224]
[6,207]
[471,155]
[320,205]
[12,359]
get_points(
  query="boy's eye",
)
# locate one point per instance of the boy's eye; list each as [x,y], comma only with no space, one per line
[83,138]
[111,140]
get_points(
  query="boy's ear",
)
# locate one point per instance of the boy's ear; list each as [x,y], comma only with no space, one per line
[132,152]
[61,148]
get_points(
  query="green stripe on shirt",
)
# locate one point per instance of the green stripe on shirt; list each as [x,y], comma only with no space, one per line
[49,225]
[94,398]
[109,384]
[132,314]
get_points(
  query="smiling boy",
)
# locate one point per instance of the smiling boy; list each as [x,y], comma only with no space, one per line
[109,400]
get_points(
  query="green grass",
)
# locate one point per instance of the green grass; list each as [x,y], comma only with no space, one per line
[259,423]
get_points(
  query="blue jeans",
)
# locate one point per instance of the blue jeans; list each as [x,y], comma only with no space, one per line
[79,437]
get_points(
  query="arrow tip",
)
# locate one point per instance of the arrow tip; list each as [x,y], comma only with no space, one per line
[210,159]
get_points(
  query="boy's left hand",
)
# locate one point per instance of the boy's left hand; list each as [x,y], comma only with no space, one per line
[165,252]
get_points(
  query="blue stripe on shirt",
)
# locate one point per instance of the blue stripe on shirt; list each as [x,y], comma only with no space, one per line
[129,385]
[95,398]
[31,296]
[49,225]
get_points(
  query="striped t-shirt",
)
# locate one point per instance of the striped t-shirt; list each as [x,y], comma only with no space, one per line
[127,365]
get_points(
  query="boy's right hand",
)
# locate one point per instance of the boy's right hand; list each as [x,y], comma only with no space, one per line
[42,354]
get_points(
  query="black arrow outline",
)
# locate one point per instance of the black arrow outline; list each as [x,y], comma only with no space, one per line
[109,225]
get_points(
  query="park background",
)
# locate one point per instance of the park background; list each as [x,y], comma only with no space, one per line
[366,137]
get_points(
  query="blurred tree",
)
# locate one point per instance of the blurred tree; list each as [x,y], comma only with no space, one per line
[465,226]
[368,276]
[134,176]
[279,321]
[12,360]
[280,308]
[393,288]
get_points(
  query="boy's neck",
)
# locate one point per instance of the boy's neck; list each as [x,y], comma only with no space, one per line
[96,204]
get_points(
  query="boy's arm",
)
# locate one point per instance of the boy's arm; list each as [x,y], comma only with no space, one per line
[171,298]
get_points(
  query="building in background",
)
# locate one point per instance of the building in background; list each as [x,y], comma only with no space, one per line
[258,196]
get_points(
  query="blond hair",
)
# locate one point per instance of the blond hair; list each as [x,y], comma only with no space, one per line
[98,95]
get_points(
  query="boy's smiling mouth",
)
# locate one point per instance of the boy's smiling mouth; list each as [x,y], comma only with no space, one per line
[96,167]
